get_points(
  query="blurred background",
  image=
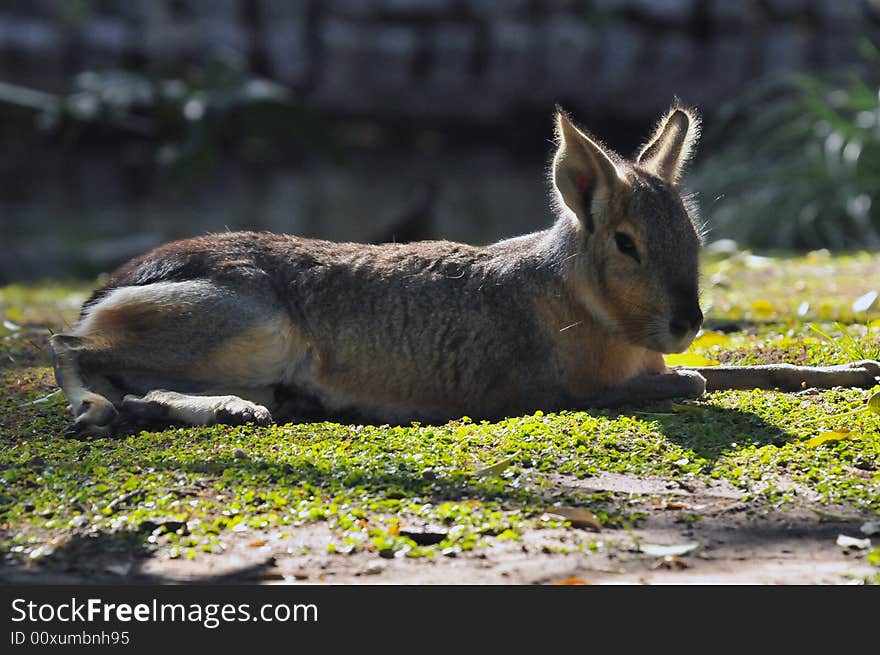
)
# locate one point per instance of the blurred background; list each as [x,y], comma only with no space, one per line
[125,123]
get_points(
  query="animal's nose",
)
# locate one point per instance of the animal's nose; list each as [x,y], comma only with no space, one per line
[684,322]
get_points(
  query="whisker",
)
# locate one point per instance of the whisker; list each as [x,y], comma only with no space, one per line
[568,327]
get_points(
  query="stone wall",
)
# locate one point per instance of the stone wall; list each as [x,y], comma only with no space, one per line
[468,60]
[79,206]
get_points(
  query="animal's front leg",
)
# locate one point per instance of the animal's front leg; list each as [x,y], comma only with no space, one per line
[787,377]
[196,410]
[645,388]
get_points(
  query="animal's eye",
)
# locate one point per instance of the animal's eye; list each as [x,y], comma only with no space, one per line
[626,246]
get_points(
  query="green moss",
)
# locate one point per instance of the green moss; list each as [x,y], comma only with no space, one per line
[184,491]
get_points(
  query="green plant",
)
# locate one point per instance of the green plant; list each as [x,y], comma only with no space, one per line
[799,163]
[190,122]
[855,349]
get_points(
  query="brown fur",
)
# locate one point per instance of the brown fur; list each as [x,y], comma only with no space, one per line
[226,327]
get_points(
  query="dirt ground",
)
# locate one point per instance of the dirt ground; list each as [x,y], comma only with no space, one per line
[729,544]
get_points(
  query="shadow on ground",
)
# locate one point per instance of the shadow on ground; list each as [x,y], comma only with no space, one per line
[104,557]
[712,432]
[732,547]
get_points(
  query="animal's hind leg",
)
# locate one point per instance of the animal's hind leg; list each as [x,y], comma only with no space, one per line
[194,338]
[162,405]
[94,412]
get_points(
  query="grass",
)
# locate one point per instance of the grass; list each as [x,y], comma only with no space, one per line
[181,492]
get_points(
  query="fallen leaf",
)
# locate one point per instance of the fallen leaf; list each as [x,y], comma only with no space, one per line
[570,581]
[579,518]
[674,505]
[710,338]
[669,551]
[874,403]
[689,359]
[763,307]
[864,302]
[375,568]
[498,467]
[833,435]
[671,562]
[257,544]
[851,542]
[394,530]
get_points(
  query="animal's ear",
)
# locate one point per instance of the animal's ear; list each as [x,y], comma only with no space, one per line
[580,167]
[672,144]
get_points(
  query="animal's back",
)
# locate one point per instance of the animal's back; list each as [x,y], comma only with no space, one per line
[424,330]
[215,329]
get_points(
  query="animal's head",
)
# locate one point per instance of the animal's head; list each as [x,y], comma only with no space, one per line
[636,247]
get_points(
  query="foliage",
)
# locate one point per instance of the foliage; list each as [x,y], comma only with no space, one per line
[186,122]
[798,166]
[186,492]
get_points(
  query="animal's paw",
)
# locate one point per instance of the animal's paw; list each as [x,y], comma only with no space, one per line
[688,384]
[871,367]
[867,372]
[232,410]
[95,416]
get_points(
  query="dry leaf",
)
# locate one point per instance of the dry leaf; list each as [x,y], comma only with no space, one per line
[851,542]
[710,338]
[833,435]
[674,505]
[579,518]
[570,581]
[669,551]
[874,403]
[257,544]
[863,303]
[763,307]
[394,530]
[498,467]
[671,562]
